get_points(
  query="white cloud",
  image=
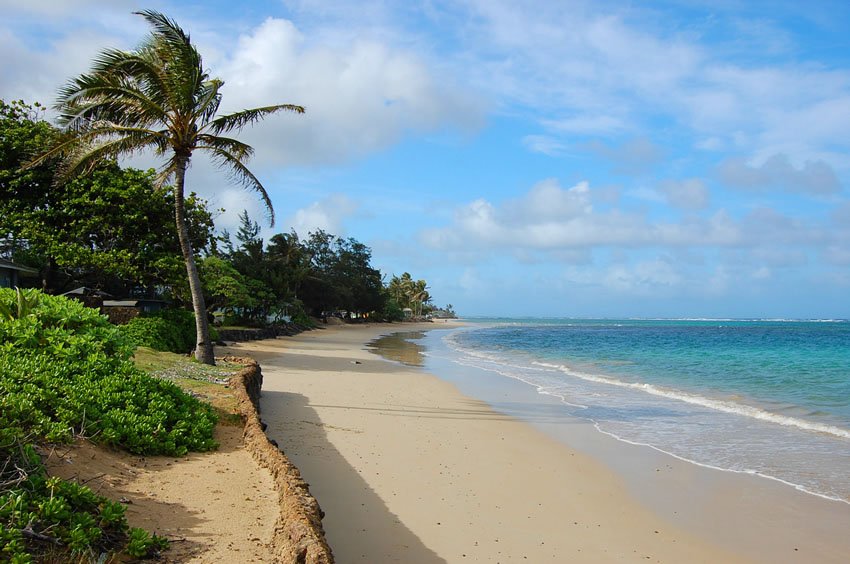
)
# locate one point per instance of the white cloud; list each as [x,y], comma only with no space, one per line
[687,194]
[587,125]
[36,75]
[778,173]
[551,219]
[632,157]
[548,201]
[329,215]
[837,255]
[234,202]
[710,144]
[645,276]
[762,273]
[470,281]
[360,97]
[544,144]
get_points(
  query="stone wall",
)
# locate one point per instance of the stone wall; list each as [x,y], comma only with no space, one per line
[251,334]
[120,315]
[298,537]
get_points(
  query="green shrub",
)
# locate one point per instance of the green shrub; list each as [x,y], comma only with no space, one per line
[64,370]
[299,316]
[171,330]
[61,517]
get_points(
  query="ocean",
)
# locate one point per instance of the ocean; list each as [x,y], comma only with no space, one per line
[764,397]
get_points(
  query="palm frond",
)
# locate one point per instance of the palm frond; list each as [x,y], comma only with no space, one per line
[238,149]
[208,100]
[166,172]
[238,120]
[170,43]
[165,27]
[88,151]
[122,106]
[240,173]
[112,93]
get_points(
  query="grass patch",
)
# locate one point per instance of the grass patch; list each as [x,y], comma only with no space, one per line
[207,383]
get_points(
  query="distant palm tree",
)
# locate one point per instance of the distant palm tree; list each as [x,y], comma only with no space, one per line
[158,97]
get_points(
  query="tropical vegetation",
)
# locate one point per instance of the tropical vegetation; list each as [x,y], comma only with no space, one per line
[159,98]
[65,371]
[70,212]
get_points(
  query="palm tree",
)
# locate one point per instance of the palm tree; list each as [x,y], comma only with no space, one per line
[158,97]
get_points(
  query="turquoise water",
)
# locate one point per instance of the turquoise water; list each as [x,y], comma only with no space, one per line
[765,397]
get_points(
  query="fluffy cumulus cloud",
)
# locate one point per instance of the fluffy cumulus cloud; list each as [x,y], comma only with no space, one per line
[328,215]
[551,219]
[360,97]
[778,173]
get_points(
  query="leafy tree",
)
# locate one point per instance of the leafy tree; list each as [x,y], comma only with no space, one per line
[158,97]
[22,134]
[341,276]
[410,293]
[317,288]
[289,266]
[354,272]
[226,288]
[109,229]
[252,267]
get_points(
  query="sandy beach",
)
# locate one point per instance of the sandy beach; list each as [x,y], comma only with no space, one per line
[409,469]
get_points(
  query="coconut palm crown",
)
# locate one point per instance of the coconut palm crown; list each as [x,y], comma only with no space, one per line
[159,98]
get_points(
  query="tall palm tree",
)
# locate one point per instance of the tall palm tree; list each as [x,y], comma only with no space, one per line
[158,98]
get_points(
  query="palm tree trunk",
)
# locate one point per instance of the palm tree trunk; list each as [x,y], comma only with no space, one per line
[203,344]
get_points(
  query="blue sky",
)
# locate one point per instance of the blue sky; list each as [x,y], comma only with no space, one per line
[674,158]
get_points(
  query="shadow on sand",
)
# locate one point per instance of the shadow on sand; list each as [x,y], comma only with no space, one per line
[358,524]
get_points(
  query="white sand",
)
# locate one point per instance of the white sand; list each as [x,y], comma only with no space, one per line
[408,469]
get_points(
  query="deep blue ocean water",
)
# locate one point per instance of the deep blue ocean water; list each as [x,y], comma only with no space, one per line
[768,397]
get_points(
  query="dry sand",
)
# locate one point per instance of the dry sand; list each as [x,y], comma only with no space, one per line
[408,469]
[214,507]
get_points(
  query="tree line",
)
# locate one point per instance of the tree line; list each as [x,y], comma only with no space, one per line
[160,98]
[113,230]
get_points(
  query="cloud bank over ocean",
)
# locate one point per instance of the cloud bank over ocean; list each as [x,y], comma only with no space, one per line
[580,158]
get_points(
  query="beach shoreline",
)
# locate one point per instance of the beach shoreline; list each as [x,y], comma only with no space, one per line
[409,467]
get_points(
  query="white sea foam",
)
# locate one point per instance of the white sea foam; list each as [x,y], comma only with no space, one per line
[725,406]
[719,405]
[548,379]
[713,467]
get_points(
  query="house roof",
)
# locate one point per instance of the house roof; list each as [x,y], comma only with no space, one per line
[131,302]
[86,291]
[12,266]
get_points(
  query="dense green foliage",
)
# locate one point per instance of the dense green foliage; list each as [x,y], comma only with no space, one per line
[405,292]
[160,98]
[267,277]
[65,371]
[171,330]
[47,517]
[110,229]
[290,276]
